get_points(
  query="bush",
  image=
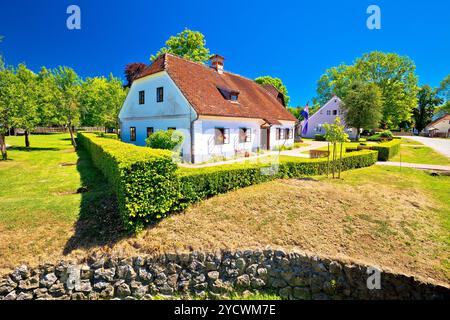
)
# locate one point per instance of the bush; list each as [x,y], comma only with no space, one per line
[319,137]
[199,183]
[143,179]
[108,135]
[385,135]
[168,140]
[387,150]
[283,148]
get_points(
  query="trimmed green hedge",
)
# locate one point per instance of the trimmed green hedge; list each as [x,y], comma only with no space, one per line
[200,183]
[319,137]
[387,150]
[149,185]
[143,179]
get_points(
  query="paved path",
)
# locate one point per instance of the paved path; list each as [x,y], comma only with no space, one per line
[440,145]
[293,153]
[414,165]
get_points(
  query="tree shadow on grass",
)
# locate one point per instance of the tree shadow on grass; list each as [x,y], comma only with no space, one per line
[99,223]
[30,149]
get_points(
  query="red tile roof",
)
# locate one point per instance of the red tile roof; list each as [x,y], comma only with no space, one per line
[200,85]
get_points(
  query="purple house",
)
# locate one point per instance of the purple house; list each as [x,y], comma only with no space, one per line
[327,114]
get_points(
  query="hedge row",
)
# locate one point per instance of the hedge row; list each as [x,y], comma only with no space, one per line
[387,150]
[143,179]
[200,183]
[149,185]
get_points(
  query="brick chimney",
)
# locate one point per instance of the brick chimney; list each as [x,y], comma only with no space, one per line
[217,63]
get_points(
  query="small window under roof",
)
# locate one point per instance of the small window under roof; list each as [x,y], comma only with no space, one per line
[229,94]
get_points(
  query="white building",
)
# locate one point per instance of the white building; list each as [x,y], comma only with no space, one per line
[219,113]
[439,128]
[327,114]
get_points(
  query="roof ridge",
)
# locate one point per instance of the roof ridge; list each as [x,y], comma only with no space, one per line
[208,67]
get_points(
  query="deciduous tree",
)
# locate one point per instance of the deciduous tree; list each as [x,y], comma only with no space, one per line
[68,93]
[427,101]
[132,70]
[362,106]
[100,101]
[444,93]
[9,102]
[394,76]
[27,95]
[188,44]
[277,83]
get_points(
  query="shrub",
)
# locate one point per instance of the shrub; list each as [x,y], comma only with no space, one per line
[387,134]
[169,140]
[319,137]
[387,150]
[108,135]
[143,179]
[199,183]
[283,148]
[384,135]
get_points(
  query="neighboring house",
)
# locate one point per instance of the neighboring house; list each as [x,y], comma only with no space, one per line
[439,128]
[326,114]
[219,113]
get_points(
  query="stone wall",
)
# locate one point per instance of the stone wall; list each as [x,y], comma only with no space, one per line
[292,275]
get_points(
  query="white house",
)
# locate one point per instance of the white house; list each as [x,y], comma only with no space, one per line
[327,114]
[219,113]
[439,128]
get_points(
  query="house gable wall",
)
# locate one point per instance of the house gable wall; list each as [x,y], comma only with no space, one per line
[174,111]
[316,121]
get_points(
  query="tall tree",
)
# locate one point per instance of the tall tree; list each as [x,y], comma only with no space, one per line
[48,94]
[188,44]
[132,70]
[444,93]
[277,83]
[334,134]
[9,102]
[2,63]
[28,116]
[394,75]
[69,85]
[101,100]
[362,106]
[427,101]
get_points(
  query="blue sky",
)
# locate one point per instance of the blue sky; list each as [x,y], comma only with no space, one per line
[294,40]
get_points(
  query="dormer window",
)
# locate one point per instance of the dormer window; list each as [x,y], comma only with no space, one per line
[229,94]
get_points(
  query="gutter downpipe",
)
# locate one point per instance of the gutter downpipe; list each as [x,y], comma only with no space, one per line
[191,129]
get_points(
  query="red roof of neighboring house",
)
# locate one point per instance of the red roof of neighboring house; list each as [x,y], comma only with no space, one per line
[200,85]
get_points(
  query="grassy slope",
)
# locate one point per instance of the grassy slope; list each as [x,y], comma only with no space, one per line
[392,217]
[423,155]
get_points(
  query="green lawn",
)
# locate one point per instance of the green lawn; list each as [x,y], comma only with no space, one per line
[40,198]
[422,155]
[411,142]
